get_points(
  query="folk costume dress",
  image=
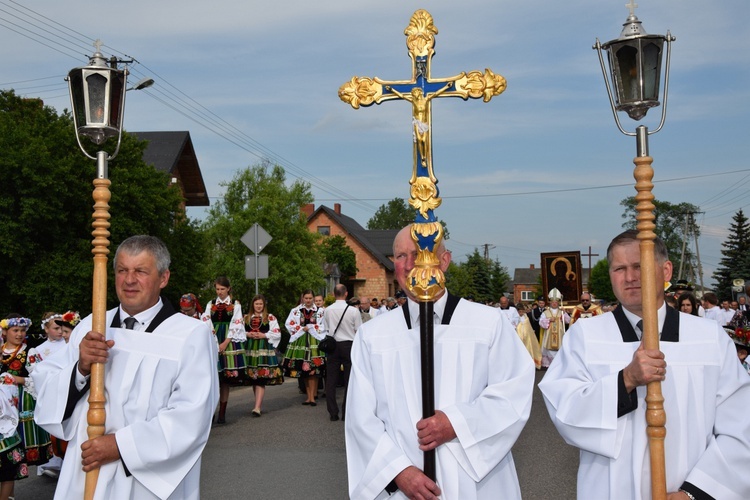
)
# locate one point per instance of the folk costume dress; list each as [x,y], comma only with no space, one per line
[262,363]
[306,329]
[37,444]
[225,320]
[12,466]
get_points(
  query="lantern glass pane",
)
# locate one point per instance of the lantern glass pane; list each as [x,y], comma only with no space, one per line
[651,54]
[78,100]
[97,85]
[627,71]
[117,93]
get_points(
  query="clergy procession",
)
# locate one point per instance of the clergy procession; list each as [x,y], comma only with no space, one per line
[423,393]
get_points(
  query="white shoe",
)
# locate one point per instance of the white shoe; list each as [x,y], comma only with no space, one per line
[50,473]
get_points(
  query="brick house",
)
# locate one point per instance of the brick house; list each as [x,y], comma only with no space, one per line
[373,250]
[526,284]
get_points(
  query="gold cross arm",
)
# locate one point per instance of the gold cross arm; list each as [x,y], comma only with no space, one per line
[365,91]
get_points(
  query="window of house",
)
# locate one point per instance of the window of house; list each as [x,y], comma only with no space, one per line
[324,230]
[527,296]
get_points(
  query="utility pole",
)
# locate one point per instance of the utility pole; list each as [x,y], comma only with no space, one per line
[487,248]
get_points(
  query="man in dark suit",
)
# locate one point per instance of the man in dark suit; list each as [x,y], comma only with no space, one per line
[536,313]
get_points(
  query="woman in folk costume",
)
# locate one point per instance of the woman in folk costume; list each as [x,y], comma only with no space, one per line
[302,358]
[54,343]
[12,466]
[224,317]
[20,362]
[68,321]
[189,306]
[263,336]
[552,324]
[54,334]
[527,335]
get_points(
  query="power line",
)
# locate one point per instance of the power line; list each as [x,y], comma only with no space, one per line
[31,26]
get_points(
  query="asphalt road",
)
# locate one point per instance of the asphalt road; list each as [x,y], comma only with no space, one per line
[296,451]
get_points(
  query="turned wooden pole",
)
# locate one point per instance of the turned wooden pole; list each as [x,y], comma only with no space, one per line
[656,417]
[96,415]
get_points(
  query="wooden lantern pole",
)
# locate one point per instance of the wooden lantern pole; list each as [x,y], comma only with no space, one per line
[96,415]
[656,417]
[426,281]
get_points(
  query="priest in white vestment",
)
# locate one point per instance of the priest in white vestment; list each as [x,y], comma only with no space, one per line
[595,393]
[483,388]
[161,389]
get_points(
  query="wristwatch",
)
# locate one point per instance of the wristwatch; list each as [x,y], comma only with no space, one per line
[689,495]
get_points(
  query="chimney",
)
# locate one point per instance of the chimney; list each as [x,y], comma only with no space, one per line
[308,209]
[531,266]
[337,208]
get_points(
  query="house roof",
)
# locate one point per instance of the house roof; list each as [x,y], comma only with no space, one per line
[379,242]
[525,275]
[173,153]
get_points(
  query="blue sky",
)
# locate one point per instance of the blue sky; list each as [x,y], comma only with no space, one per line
[541,168]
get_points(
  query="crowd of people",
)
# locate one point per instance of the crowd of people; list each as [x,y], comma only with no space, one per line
[180,368]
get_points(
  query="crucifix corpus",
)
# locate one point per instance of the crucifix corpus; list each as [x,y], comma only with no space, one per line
[426,281]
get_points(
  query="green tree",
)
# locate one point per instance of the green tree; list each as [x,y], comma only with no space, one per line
[458,281]
[260,194]
[735,261]
[392,215]
[46,215]
[479,270]
[484,280]
[599,283]
[674,225]
[335,251]
[397,214]
[499,279]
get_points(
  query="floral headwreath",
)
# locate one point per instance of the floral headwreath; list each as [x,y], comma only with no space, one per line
[51,318]
[10,322]
[71,317]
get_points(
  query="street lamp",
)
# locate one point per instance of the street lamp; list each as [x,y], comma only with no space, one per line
[97,96]
[635,70]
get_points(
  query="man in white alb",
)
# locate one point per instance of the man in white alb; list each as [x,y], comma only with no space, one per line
[483,387]
[161,387]
[595,394]
[509,312]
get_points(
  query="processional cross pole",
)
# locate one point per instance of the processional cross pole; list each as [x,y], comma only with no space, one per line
[426,281]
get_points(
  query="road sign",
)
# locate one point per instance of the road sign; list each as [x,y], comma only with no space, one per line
[250,267]
[256,238]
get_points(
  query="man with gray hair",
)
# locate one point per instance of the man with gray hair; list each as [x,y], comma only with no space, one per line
[161,385]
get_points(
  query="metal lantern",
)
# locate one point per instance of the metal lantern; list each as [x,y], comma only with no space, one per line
[635,69]
[97,96]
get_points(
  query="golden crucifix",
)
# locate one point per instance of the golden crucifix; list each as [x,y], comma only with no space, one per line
[426,281]
[420,90]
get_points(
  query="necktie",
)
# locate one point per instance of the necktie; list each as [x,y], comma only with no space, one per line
[129,322]
[640,327]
